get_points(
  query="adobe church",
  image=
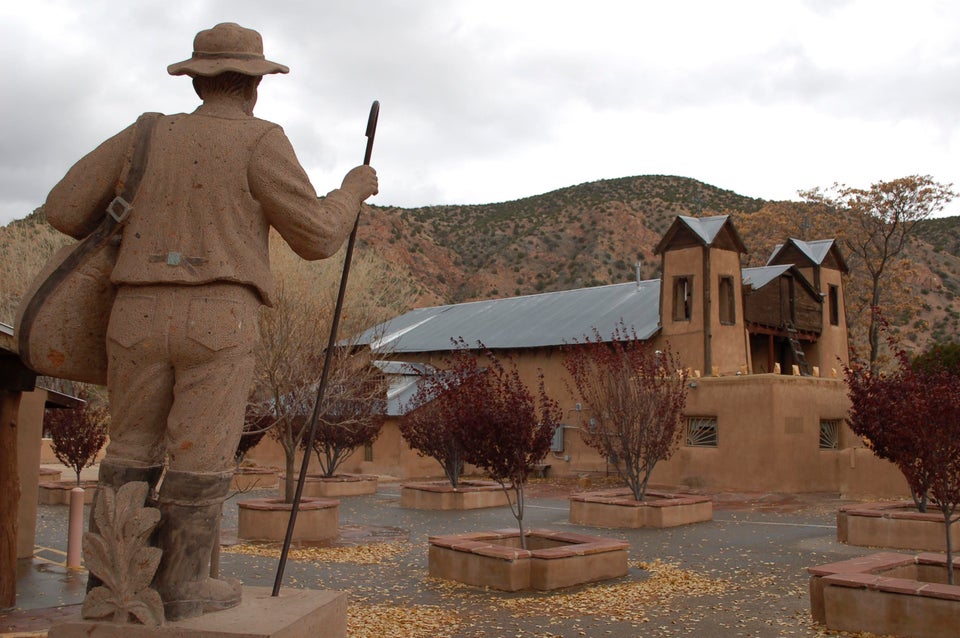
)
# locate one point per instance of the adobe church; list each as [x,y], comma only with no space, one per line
[765,347]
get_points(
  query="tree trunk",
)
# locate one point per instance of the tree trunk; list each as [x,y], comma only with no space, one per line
[946,526]
[289,481]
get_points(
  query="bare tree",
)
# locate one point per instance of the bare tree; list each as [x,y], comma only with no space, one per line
[883,218]
[636,396]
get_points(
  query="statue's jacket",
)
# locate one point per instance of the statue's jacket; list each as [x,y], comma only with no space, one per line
[216,180]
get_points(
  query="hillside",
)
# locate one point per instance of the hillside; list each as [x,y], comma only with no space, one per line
[585,235]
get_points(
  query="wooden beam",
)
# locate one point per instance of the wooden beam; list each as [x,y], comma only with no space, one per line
[10,498]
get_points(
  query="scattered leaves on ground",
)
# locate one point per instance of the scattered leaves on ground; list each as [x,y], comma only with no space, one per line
[396,621]
[372,554]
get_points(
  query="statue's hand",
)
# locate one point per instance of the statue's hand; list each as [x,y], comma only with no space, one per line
[362,181]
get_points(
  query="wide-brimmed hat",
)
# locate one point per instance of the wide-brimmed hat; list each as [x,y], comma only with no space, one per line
[227,47]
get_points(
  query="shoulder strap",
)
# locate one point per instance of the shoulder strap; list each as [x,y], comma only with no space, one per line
[136,166]
[116,215]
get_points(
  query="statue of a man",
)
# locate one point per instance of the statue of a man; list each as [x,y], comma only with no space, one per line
[192,272]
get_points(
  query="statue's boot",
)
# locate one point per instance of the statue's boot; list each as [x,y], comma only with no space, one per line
[116,474]
[190,507]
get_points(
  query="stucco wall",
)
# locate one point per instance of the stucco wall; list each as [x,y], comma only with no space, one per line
[768,438]
[29,429]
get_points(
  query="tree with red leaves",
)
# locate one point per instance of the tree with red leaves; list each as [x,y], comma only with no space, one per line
[884,410]
[506,430]
[912,418]
[432,424]
[78,434]
[636,396]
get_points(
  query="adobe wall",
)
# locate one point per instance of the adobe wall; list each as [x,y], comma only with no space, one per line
[769,440]
[29,430]
[831,349]
[685,336]
[728,341]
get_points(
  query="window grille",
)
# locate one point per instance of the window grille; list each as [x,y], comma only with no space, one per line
[830,434]
[368,452]
[702,432]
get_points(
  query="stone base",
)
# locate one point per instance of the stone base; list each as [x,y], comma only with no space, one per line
[896,525]
[618,509]
[266,519]
[552,560]
[58,492]
[295,613]
[887,594]
[441,496]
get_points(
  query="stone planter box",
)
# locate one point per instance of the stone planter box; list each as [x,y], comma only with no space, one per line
[617,508]
[552,560]
[252,478]
[897,525]
[439,495]
[49,474]
[58,492]
[887,594]
[337,486]
[266,519]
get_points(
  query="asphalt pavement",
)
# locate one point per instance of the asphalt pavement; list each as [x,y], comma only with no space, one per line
[742,574]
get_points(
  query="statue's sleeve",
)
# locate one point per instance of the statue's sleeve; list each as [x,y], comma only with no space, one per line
[78,202]
[314,228]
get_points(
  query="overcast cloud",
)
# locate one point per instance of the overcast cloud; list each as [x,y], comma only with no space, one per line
[491,100]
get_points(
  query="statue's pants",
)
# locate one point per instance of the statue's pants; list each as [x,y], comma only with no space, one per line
[180,367]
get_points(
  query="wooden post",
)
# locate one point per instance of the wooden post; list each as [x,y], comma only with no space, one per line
[9,499]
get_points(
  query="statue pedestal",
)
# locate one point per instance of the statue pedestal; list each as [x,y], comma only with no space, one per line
[295,613]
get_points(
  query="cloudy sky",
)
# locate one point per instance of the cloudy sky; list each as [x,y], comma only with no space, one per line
[491,100]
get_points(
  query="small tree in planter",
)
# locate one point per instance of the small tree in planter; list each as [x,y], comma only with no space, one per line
[877,415]
[636,396]
[432,424]
[506,431]
[353,411]
[912,418]
[78,434]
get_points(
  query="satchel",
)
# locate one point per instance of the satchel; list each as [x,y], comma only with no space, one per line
[61,323]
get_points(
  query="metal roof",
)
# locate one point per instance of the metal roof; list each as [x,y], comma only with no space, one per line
[7,341]
[816,251]
[546,319]
[404,381]
[760,277]
[706,227]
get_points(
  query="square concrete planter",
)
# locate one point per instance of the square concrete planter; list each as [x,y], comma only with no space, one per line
[552,560]
[266,519]
[897,525]
[58,492]
[338,486]
[439,495]
[887,594]
[617,508]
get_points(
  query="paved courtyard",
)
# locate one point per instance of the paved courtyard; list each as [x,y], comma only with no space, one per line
[743,574]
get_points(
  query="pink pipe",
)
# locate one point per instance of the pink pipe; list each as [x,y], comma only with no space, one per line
[75,531]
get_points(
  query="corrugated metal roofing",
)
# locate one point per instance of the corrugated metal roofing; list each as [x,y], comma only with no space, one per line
[547,319]
[404,381]
[761,276]
[816,250]
[706,227]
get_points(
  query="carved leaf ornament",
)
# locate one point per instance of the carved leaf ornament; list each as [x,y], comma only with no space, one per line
[121,556]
